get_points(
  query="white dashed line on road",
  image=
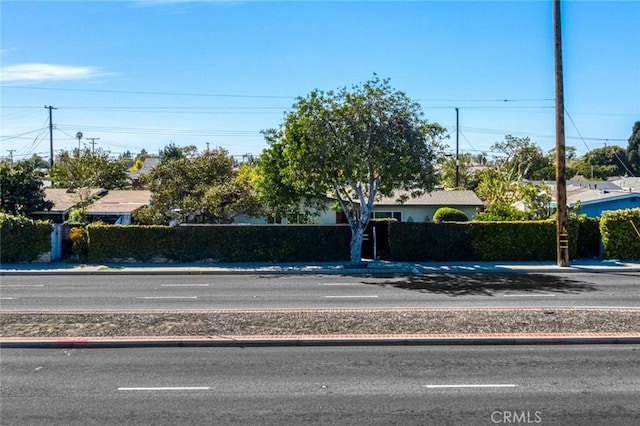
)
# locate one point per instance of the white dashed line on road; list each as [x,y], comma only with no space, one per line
[528,295]
[167,297]
[351,297]
[184,285]
[489,385]
[165,388]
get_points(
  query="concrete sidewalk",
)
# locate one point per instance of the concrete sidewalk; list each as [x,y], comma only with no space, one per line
[334,268]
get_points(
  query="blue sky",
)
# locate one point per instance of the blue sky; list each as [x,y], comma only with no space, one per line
[142,74]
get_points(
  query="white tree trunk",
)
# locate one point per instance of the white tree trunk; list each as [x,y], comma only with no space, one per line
[357,235]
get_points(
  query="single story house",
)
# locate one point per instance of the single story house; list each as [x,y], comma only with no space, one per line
[419,209]
[64,200]
[593,202]
[109,206]
[422,208]
[117,206]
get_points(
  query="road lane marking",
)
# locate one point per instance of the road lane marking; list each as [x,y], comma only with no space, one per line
[164,388]
[22,285]
[7,298]
[167,297]
[350,297]
[528,295]
[184,285]
[341,284]
[488,385]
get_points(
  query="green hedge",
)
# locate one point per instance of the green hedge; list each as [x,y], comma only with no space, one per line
[224,243]
[522,240]
[421,241]
[22,239]
[619,237]
[588,237]
[519,240]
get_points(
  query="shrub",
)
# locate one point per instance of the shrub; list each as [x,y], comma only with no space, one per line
[22,239]
[449,214]
[619,236]
[79,242]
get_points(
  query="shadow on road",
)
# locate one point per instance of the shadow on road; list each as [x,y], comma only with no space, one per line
[487,284]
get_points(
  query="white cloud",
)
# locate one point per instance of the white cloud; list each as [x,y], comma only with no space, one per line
[45,72]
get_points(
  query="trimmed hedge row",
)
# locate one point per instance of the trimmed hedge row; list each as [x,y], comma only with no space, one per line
[619,230]
[407,241]
[531,240]
[224,243]
[22,239]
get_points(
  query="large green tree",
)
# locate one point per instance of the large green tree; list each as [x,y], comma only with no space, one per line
[353,145]
[525,157]
[633,149]
[21,187]
[208,185]
[602,163]
[465,176]
[84,169]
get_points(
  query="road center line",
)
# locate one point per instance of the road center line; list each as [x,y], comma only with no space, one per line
[488,385]
[350,297]
[165,388]
[167,297]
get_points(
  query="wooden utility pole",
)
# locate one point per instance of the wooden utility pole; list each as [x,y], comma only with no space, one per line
[50,108]
[93,144]
[562,233]
[457,150]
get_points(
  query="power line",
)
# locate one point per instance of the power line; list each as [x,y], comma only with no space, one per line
[137,92]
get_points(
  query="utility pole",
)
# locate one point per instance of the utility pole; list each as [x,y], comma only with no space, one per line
[50,108]
[457,149]
[562,234]
[11,151]
[93,144]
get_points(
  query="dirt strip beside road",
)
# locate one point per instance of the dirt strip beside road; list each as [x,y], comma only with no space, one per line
[320,322]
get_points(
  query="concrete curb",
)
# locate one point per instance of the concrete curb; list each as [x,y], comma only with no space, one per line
[317,340]
[374,268]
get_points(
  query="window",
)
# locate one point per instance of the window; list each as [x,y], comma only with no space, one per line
[387,215]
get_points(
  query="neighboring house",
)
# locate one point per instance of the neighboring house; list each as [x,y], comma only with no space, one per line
[117,206]
[114,206]
[137,177]
[64,200]
[419,209]
[594,199]
[422,208]
[628,183]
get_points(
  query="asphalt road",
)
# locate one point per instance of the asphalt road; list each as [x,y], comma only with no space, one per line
[586,385]
[204,292]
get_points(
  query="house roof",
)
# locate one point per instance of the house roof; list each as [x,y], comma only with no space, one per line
[436,198]
[632,183]
[588,196]
[591,196]
[63,200]
[120,201]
